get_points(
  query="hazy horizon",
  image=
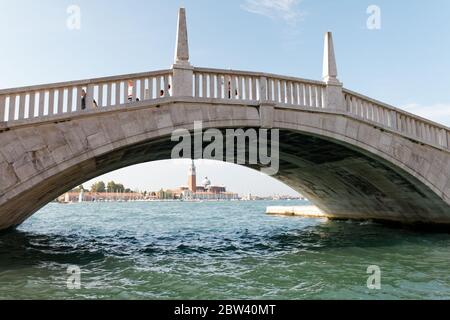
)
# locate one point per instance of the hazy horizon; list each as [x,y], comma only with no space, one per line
[171,174]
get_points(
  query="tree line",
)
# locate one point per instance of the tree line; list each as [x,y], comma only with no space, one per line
[101,187]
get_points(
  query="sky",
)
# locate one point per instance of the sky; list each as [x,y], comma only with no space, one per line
[405,62]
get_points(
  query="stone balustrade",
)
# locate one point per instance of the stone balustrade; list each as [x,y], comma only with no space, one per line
[408,124]
[36,102]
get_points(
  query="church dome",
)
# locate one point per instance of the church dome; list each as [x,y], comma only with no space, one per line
[206,183]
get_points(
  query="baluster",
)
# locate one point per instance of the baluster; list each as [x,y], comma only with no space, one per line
[100,95]
[197,85]
[381,116]
[260,93]
[363,109]
[141,89]
[404,124]
[350,104]
[159,87]
[233,89]
[277,90]
[60,101]
[70,107]
[282,91]
[2,108]
[430,133]
[166,86]
[51,102]
[211,86]
[109,87]
[248,88]
[407,125]
[314,96]
[418,130]
[125,93]
[397,121]
[422,131]
[21,106]
[134,91]
[254,88]
[371,111]
[295,93]
[150,88]
[301,94]
[375,113]
[413,127]
[90,97]
[308,95]
[12,108]
[359,108]
[117,93]
[320,97]
[79,98]
[289,92]
[433,135]
[204,85]
[356,107]
[242,88]
[41,103]
[31,105]
[270,90]
[443,139]
[218,86]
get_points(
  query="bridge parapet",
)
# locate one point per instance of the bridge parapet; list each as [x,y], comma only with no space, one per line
[39,102]
[254,86]
[408,124]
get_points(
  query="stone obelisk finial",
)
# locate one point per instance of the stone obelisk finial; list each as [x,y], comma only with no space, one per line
[329,61]
[182,48]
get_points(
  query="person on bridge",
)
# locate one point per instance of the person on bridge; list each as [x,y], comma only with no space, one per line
[162,93]
[83,101]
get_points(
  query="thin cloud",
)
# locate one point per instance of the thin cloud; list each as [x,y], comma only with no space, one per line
[439,112]
[286,10]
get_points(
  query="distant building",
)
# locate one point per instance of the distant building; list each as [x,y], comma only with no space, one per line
[192,178]
[74,197]
[205,191]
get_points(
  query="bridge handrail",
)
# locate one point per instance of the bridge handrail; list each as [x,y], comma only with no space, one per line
[64,84]
[258,74]
[253,86]
[397,119]
[66,97]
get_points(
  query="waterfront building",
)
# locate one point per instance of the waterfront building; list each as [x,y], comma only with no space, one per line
[204,192]
[74,197]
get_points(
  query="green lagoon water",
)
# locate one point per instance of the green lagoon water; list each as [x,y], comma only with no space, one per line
[219,250]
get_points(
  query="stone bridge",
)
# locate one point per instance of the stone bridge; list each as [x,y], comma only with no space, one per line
[352,156]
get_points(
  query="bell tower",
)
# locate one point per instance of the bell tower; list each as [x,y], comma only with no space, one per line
[192,178]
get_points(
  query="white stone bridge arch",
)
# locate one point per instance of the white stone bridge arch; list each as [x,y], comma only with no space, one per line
[353,156]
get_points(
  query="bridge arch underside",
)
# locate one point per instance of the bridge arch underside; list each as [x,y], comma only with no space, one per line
[344,179]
